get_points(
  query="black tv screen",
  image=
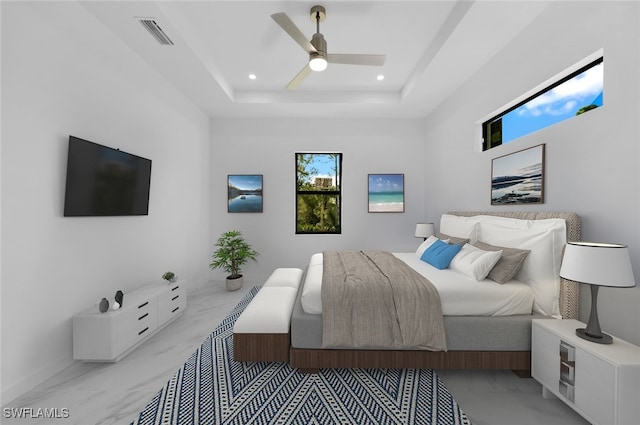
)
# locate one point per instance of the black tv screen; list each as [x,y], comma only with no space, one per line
[102,181]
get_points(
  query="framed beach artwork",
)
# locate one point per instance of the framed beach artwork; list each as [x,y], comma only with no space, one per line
[518,178]
[244,193]
[386,193]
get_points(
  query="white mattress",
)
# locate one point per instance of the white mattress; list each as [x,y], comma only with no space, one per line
[459,295]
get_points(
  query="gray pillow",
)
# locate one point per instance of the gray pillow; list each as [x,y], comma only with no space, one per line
[452,239]
[509,263]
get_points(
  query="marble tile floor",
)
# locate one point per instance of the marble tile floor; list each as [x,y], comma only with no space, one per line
[106,394]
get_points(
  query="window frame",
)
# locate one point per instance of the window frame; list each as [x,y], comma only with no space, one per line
[496,117]
[337,192]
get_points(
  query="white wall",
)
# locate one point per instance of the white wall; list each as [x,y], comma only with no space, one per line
[56,81]
[592,161]
[267,146]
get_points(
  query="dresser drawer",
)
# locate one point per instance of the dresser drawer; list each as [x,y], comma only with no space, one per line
[135,327]
[172,302]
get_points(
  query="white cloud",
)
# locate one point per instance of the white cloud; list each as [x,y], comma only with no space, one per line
[566,94]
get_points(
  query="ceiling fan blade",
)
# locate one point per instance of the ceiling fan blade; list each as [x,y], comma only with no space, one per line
[290,28]
[304,72]
[347,59]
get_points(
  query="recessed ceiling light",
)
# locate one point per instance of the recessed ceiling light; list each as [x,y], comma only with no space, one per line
[252,76]
[380,77]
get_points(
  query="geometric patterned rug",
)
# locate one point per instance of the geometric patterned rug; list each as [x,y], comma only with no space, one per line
[213,389]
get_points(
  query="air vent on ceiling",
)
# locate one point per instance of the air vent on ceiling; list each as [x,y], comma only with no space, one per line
[155,30]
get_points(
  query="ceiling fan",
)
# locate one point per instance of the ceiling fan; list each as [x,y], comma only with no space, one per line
[317,47]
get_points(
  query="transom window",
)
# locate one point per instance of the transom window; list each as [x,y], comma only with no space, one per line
[318,192]
[575,94]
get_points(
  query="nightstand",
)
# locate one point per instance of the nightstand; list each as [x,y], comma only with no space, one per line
[600,382]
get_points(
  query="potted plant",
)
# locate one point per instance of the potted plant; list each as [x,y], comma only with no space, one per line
[169,277]
[232,253]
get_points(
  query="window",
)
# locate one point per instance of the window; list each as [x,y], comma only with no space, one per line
[318,192]
[575,94]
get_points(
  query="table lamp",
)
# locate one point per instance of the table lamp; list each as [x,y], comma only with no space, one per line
[424,230]
[597,264]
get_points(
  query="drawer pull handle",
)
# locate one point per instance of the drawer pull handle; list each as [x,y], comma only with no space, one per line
[175,309]
[175,298]
[143,304]
[143,331]
[175,287]
[143,316]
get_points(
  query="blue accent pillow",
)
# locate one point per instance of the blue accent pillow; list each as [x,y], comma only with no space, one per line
[440,254]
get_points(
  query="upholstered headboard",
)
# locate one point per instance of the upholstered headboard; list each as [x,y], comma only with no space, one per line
[569,295]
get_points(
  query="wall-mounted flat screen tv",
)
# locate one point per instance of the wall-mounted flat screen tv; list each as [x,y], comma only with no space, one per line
[102,181]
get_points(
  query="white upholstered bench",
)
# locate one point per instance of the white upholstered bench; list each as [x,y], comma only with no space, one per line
[262,332]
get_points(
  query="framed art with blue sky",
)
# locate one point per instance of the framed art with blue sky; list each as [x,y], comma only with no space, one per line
[386,192]
[244,193]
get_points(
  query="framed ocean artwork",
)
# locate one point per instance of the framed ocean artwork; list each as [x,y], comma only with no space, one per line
[244,193]
[386,193]
[518,178]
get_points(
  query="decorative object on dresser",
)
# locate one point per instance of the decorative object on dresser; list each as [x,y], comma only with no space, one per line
[424,230]
[169,276]
[233,252]
[119,298]
[111,335]
[600,382]
[597,264]
[104,305]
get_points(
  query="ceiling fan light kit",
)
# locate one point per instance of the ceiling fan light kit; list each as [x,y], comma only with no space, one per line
[317,47]
[317,63]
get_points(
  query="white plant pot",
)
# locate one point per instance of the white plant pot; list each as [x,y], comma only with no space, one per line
[235,284]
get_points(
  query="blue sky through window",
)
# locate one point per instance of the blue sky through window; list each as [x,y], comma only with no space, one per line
[555,105]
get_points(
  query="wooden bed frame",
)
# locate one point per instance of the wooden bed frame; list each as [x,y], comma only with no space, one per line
[311,360]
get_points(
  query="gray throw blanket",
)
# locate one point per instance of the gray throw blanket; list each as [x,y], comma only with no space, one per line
[373,300]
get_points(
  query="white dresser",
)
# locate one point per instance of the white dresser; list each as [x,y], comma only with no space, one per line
[108,337]
[600,382]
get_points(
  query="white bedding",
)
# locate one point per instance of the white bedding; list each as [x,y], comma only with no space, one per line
[459,295]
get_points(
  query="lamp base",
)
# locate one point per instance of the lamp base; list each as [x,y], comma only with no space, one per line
[604,339]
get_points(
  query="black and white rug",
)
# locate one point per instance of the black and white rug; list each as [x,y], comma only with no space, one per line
[213,389]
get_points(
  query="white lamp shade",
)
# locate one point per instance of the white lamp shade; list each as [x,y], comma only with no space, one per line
[600,264]
[424,230]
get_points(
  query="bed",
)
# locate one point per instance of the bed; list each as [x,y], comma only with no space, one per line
[495,333]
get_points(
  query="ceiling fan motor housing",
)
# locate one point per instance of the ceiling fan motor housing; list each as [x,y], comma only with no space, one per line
[320,44]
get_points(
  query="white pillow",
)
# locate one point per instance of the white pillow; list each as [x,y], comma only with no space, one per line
[426,244]
[312,290]
[541,269]
[460,227]
[316,259]
[474,262]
